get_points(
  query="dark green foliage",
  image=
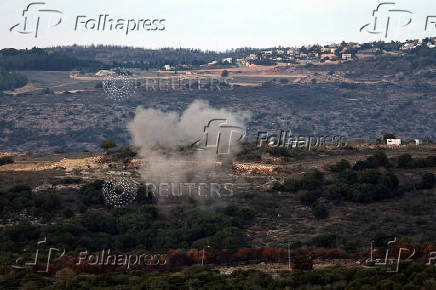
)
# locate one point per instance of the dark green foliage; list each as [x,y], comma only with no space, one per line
[107,144]
[10,80]
[340,166]
[245,214]
[308,197]
[428,181]
[377,160]
[68,213]
[144,196]
[325,241]
[367,186]
[309,181]
[140,228]
[48,202]
[91,194]
[410,276]
[406,161]
[6,160]
[279,151]
[40,59]
[20,198]
[320,211]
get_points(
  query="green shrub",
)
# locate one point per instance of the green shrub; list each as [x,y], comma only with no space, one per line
[6,160]
[427,182]
[320,211]
[340,166]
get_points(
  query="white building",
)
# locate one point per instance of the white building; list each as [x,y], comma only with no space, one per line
[227,60]
[346,56]
[393,142]
[105,73]
[251,57]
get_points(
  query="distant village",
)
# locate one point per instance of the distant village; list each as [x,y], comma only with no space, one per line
[316,54]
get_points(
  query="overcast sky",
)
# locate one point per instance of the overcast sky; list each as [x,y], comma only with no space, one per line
[216,25]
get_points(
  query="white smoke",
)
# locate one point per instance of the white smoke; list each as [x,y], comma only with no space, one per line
[158,134]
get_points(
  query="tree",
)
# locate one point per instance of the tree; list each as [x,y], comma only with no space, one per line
[428,181]
[405,161]
[107,144]
[225,73]
[340,166]
[6,160]
[320,211]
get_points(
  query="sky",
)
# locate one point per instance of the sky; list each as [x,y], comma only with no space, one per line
[212,24]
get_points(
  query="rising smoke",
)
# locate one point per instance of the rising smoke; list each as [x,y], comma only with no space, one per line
[159,136]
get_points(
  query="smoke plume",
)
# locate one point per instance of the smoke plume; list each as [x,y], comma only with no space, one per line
[164,140]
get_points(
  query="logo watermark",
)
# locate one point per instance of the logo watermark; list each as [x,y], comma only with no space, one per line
[285,139]
[201,190]
[119,191]
[35,15]
[100,258]
[381,25]
[389,261]
[119,85]
[105,258]
[219,135]
[389,18]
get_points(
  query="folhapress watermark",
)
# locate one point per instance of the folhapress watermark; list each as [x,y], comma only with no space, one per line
[51,257]
[105,258]
[100,258]
[104,22]
[390,18]
[391,262]
[221,136]
[285,139]
[39,15]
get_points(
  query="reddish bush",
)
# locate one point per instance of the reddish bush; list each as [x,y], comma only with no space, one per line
[244,255]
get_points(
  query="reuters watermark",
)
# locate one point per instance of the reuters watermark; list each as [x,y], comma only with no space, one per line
[200,190]
[190,84]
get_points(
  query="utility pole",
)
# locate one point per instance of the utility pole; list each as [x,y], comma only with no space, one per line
[202,257]
[289,256]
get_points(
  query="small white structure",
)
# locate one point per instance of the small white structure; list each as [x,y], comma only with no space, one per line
[227,60]
[105,73]
[393,142]
[167,67]
[347,56]
[251,57]
[417,142]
